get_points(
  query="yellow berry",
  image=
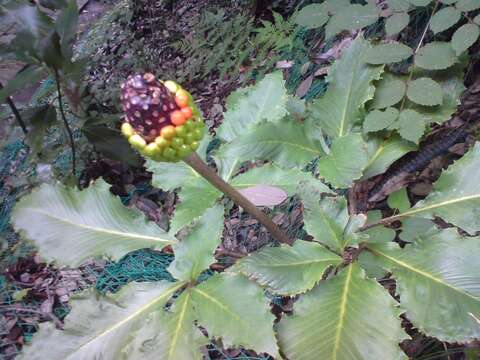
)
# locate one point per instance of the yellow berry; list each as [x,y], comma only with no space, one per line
[137,141]
[127,130]
[168,132]
[161,142]
[171,86]
[151,149]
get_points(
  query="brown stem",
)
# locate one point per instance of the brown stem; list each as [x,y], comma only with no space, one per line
[204,170]
[16,113]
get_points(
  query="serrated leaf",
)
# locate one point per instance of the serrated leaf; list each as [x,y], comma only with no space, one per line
[389,91]
[96,222]
[352,17]
[399,200]
[444,19]
[411,125]
[349,89]
[289,270]
[467,5]
[436,55]
[425,91]
[326,220]
[396,23]
[271,174]
[327,321]
[284,143]
[382,153]
[195,197]
[194,253]
[437,280]
[464,37]
[170,335]
[265,101]
[414,228]
[348,157]
[455,196]
[312,16]
[398,5]
[377,120]
[98,328]
[388,53]
[234,309]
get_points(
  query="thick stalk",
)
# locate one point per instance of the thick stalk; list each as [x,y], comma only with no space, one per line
[204,170]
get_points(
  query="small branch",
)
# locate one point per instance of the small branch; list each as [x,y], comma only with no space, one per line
[16,113]
[204,170]
[67,126]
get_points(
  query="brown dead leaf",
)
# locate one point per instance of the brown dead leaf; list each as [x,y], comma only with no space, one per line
[264,195]
[304,86]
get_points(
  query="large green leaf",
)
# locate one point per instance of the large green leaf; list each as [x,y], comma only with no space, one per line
[70,226]
[234,308]
[382,153]
[287,180]
[195,253]
[438,281]
[289,270]
[284,143]
[349,88]
[348,157]
[456,194]
[99,328]
[339,318]
[265,101]
[170,335]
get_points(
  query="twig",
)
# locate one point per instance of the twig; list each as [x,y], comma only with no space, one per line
[194,161]
[15,112]
[67,126]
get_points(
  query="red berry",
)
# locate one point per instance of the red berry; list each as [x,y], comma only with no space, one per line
[187,112]
[177,118]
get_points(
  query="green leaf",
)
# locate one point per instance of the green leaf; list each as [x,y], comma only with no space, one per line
[414,228]
[425,91]
[352,17]
[233,308]
[338,315]
[435,56]
[348,157]
[398,5]
[396,23]
[326,221]
[40,119]
[476,19]
[25,78]
[195,253]
[349,89]
[287,180]
[444,19]
[388,53]
[456,194]
[284,143]
[399,200]
[464,37]
[448,2]
[382,153]
[377,120]
[95,220]
[411,125]
[66,27]
[389,91]
[420,2]
[437,280]
[334,6]
[289,270]
[98,328]
[467,5]
[195,197]
[248,107]
[170,335]
[312,16]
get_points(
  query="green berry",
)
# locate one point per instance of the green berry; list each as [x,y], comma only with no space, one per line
[198,134]
[169,153]
[181,131]
[194,145]
[177,142]
[190,125]
[199,124]
[151,149]
[161,142]
[184,151]
[189,138]
[137,141]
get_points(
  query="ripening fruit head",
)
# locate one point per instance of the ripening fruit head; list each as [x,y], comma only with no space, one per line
[161,120]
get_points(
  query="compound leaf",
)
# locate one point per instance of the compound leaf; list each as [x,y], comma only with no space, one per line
[70,226]
[444,19]
[389,91]
[464,37]
[396,23]
[327,320]
[377,120]
[425,91]
[352,17]
[436,55]
[388,53]
[411,125]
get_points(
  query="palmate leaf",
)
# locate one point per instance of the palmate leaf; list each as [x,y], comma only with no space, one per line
[349,88]
[195,253]
[265,101]
[70,226]
[98,328]
[339,317]
[234,308]
[438,279]
[289,270]
[456,194]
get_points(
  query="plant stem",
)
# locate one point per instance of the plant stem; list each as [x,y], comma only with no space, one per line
[67,126]
[16,113]
[194,161]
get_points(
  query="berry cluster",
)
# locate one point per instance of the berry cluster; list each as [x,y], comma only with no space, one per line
[161,120]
